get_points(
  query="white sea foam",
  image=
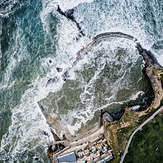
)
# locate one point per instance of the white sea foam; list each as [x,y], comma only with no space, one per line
[159,58]
[19,50]
[135,96]
[28,122]
[89,110]
[69,4]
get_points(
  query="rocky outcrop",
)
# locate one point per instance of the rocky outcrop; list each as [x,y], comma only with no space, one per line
[153,70]
[107,117]
[51,80]
[55,125]
[69,15]
[151,66]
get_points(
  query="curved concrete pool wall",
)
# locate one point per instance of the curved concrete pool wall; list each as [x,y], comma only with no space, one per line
[151,62]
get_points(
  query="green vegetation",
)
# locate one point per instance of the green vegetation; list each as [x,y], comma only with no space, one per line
[147,145]
[161,79]
[123,136]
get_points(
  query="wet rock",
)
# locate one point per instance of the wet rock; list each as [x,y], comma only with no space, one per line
[50,61]
[146,102]
[149,58]
[59,69]
[69,15]
[65,75]
[117,116]
[104,115]
[107,117]
[51,80]
[61,146]
[45,133]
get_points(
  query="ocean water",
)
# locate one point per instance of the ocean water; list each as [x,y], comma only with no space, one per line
[36,39]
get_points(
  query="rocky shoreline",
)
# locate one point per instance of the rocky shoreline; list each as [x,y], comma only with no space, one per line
[131,115]
[154,72]
[152,68]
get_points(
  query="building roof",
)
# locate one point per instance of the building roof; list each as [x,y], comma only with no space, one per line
[70,157]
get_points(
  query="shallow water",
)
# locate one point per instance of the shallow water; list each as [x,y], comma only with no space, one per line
[108,77]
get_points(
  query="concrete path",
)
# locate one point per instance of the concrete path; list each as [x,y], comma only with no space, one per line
[139,128]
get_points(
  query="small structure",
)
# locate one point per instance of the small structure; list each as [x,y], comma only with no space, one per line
[93,150]
[98,155]
[80,155]
[100,148]
[87,153]
[105,150]
[70,157]
[91,159]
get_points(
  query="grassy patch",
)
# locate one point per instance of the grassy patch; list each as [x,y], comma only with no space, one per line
[147,145]
[123,136]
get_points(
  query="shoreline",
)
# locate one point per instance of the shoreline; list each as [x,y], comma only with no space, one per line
[154,72]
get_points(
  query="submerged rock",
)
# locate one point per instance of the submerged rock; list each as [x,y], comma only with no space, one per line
[65,75]
[59,69]
[50,61]
[51,80]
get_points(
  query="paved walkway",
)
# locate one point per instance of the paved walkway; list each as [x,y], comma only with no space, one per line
[139,128]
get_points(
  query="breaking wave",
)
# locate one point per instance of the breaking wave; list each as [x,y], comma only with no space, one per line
[108,77]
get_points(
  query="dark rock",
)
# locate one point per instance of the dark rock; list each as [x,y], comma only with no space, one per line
[50,61]
[45,133]
[59,69]
[107,117]
[65,75]
[60,11]
[146,102]
[51,80]
[69,15]
[104,115]
[50,149]
[61,146]
[56,138]
[101,112]
[149,58]
[117,116]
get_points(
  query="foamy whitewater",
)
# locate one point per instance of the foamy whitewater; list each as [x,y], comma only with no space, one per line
[108,77]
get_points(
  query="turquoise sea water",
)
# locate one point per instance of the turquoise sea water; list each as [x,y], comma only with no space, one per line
[108,77]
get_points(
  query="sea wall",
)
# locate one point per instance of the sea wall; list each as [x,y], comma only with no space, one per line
[151,63]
